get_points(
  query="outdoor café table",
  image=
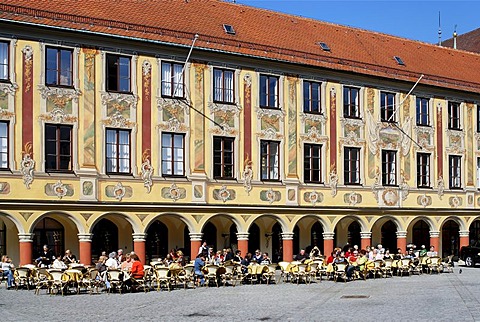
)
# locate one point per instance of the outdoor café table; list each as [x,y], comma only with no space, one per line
[256,269]
[73,277]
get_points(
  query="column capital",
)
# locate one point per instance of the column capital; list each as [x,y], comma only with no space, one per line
[25,237]
[434,233]
[195,236]
[365,234]
[139,237]
[401,234]
[287,236]
[328,235]
[243,236]
[464,233]
[85,237]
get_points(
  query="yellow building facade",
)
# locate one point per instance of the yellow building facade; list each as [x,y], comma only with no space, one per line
[112,143]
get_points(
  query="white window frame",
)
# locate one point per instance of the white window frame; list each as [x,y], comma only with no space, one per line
[360,101]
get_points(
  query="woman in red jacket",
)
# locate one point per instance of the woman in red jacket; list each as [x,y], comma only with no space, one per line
[137,267]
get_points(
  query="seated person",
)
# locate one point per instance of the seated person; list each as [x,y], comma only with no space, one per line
[7,270]
[58,263]
[237,258]
[112,261]
[197,268]
[352,264]
[265,259]
[399,255]
[46,257]
[315,253]
[180,258]
[302,256]
[432,252]
[127,264]
[387,254]
[423,251]
[137,270]
[69,258]
[331,258]
[257,257]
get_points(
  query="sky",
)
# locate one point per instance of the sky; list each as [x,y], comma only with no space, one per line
[416,20]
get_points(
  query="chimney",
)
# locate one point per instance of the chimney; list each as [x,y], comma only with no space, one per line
[455,38]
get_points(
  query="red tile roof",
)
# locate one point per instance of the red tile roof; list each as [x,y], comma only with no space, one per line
[259,33]
[469,41]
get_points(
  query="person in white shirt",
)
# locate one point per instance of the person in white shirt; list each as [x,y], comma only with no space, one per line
[58,263]
[112,261]
[7,270]
[432,252]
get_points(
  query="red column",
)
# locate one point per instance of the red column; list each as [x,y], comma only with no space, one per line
[85,248]
[139,246]
[195,243]
[365,239]
[435,240]
[464,238]
[401,242]
[328,243]
[287,247]
[26,249]
[243,243]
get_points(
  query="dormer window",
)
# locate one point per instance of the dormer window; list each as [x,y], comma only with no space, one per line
[229,29]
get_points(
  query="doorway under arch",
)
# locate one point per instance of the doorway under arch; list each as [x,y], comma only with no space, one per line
[450,238]
[157,241]
[105,237]
[421,234]
[50,232]
[389,236]
[253,238]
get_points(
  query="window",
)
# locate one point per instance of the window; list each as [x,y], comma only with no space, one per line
[173,154]
[351,166]
[312,163]
[4,146]
[223,81]
[58,67]
[389,168]
[4,61]
[172,80]
[58,148]
[312,97]
[455,168]
[351,105]
[478,118]
[270,151]
[423,170]
[223,157]
[118,151]
[118,74]
[478,173]
[229,29]
[454,116]
[423,113]
[269,91]
[387,107]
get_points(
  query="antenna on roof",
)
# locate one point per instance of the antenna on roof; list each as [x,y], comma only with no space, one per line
[455,37]
[439,30]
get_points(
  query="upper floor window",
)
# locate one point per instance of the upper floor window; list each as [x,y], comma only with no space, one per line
[312,163]
[351,165]
[478,118]
[4,60]
[455,171]
[270,154]
[59,67]
[389,168]
[223,86]
[423,111]
[173,154]
[4,145]
[312,97]
[423,170]
[478,173]
[454,116]
[118,73]
[387,107]
[118,151]
[269,91]
[58,147]
[223,158]
[351,104]
[172,80]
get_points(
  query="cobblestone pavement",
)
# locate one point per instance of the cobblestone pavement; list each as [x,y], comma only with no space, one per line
[447,296]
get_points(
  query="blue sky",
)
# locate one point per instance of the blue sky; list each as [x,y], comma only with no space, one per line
[417,20]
